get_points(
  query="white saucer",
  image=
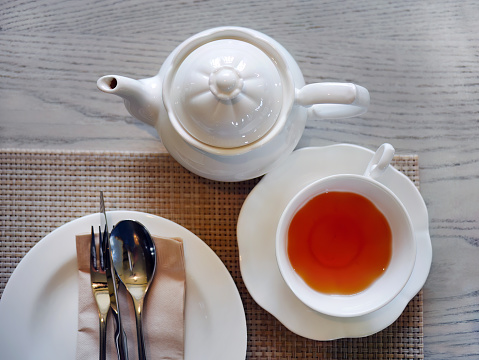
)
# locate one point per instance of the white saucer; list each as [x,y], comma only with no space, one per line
[39,307]
[256,231]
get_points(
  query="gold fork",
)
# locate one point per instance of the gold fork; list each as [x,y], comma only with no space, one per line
[99,287]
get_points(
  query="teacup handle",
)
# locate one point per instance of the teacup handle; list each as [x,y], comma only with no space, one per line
[333,100]
[380,161]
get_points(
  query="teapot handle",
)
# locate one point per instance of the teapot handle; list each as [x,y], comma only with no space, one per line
[333,100]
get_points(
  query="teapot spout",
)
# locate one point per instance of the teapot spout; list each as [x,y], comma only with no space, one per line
[138,96]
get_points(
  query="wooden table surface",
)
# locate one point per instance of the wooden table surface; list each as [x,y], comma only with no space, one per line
[419,60]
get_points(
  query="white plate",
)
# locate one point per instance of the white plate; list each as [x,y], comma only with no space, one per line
[257,223]
[39,310]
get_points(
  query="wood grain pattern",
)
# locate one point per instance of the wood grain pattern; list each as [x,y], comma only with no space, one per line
[419,60]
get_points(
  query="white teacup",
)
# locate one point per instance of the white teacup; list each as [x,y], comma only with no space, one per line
[402,249]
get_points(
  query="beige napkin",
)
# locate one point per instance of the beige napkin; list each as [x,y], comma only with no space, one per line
[163,317]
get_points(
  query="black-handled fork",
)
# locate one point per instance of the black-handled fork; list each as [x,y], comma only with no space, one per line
[99,287]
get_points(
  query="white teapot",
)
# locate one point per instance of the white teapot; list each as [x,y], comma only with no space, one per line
[229,103]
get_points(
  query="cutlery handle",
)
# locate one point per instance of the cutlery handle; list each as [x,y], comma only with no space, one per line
[102,354]
[139,328]
[121,345]
[120,340]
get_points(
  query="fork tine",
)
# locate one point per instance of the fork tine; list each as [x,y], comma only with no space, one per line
[93,251]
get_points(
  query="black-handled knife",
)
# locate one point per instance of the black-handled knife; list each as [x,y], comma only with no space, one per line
[120,336]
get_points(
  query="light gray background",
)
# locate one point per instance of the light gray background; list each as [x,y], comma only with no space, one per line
[419,60]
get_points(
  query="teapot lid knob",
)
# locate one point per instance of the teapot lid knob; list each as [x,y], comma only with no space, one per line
[225,93]
[226,82]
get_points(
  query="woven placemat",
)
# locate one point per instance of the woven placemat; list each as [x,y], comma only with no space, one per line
[42,190]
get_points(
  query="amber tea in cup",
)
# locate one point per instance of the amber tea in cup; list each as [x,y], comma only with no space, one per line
[339,243]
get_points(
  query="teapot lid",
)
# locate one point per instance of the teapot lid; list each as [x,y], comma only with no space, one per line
[225,93]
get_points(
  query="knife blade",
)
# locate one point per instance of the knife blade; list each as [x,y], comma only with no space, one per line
[103,219]
[112,282]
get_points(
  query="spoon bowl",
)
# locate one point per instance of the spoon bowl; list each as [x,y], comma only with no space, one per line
[134,259]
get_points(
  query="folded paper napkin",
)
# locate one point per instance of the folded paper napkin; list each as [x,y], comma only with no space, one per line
[163,317]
